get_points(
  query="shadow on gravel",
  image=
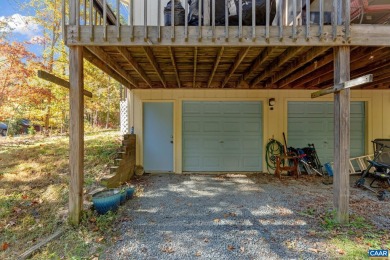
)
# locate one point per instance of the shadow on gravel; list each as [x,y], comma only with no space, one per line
[215,217]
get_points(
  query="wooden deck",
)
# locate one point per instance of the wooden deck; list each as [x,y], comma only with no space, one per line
[287,52]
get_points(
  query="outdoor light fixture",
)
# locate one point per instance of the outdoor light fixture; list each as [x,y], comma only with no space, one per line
[271,103]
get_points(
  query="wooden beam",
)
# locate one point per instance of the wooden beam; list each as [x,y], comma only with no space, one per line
[89,56]
[342,86]
[27,254]
[277,64]
[361,35]
[195,66]
[215,66]
[76,137]
[342,135]
[257,63]
[360,62]
[59,81]
[98,52]
[171,54]
[306,71]
[149,54]
[127,56]
[302,60]
[239,58]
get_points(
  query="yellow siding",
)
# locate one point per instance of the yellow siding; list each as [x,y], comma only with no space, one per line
[275,121]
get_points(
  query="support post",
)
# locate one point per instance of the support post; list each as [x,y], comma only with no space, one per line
[341,135]
[76,139]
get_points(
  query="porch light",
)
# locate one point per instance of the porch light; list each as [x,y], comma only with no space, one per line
[271,102]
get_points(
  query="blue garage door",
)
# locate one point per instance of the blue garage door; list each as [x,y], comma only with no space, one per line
[312,122]
[222,136]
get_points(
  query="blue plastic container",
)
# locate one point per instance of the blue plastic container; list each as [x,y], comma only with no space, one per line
[123,197]
[328,169]
[106,200]
[130,192]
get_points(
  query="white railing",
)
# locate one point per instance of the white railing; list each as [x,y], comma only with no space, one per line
[294,15]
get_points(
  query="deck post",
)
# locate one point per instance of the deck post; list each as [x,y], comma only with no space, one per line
[341,135]
[76,139]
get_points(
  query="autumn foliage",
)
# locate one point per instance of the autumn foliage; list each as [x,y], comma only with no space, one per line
[17,66]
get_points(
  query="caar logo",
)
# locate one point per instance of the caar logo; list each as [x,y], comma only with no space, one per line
[378,254]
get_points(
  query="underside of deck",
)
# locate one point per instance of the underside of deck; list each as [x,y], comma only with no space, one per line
[250,67]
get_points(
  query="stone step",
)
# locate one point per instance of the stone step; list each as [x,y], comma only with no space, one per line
[117,161]
[113,169]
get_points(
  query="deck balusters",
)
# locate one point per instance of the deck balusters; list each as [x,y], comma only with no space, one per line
[85,11]
[200,20]
[78,19]
[334,19]
[185,20]
[321,22]
[294,26]
[118,22]
[213,18]
[226,21]
[172,20]
[240,19]
[131,19]
[145,20]
[253,20]
[307,8]
[347,19]
[92,38]
[280,16]
[63,22]
[105,20]
[267,19]
[159,20]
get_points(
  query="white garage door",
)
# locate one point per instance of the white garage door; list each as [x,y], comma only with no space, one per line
[312,122]
[222,136]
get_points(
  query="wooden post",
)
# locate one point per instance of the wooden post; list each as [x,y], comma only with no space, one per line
[341,135]
[76,140]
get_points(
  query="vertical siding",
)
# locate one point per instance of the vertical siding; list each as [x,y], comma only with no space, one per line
[275,121]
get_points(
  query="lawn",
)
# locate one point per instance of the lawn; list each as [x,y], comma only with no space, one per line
[34,176]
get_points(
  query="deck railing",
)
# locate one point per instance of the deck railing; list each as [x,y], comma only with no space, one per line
[299,17]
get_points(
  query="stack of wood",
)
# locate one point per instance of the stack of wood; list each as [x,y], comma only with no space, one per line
[124,165]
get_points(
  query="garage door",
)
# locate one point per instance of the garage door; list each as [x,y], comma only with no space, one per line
[222,136]
[312,122]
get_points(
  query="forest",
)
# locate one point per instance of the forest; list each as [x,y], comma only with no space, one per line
[24,97]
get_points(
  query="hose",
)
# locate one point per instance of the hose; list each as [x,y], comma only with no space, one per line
[273,149]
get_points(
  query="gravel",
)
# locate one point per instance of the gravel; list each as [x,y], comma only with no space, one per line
[206,216]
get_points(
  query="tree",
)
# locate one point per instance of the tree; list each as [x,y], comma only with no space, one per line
[17,66]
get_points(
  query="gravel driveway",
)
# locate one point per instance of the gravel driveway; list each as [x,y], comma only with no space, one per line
[222,217]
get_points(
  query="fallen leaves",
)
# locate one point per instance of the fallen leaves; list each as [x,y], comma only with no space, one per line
[168,250]
[217,220]
[341,252]
[4,246]
[99,239]
[230,247]
[198,254]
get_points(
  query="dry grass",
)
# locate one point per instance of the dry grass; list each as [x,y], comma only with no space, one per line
[34,194]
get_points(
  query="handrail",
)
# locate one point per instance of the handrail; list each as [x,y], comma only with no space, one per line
[299,15]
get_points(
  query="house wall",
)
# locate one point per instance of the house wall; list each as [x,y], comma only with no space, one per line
[275,121]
